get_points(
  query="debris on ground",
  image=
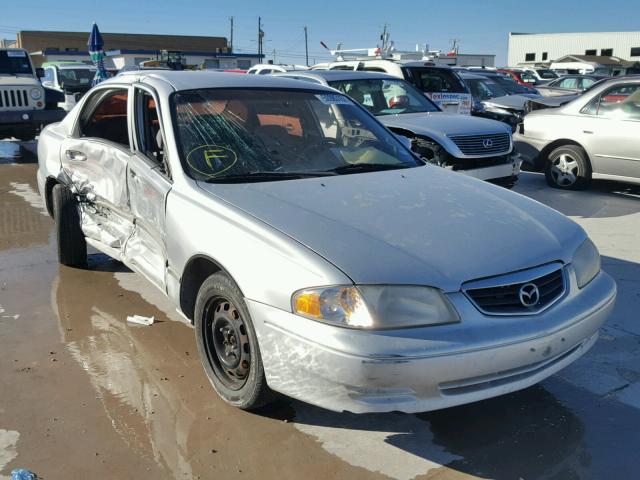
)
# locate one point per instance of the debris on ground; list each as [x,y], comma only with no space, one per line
[22,474]
[140,320]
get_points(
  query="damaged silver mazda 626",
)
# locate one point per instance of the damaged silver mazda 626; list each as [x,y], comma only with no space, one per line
[314,253]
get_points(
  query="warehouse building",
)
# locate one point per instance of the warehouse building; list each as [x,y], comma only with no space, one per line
[128,49]
[543,48]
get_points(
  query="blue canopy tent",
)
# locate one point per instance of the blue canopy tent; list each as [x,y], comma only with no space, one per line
[96,51]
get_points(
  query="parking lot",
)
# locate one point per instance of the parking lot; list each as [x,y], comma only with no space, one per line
[87,395]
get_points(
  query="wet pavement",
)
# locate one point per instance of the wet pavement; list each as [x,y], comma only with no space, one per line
[83,394]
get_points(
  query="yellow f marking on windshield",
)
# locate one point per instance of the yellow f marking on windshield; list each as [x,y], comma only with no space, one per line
[214,153]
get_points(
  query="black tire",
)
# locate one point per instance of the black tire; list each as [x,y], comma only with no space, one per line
[72,246]
[220,315]
[26,135]
[568,168]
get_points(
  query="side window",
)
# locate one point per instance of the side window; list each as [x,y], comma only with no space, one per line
[105,117]
[48,75]
[265,71]
[569,83]
[149,134]
[586,83]
[341,67]
[374,69]
[621,102]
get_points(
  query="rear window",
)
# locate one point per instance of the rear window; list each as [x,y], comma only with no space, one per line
[430,79]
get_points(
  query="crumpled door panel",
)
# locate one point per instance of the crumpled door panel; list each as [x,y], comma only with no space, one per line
[97,172]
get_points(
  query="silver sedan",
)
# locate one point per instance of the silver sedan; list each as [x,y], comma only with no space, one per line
[315,255]
[597,135]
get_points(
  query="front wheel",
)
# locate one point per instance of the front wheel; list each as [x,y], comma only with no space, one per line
[72,246]
[568,168]
[228,345]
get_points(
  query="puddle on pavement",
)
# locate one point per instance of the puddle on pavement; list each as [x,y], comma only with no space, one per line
[132,401]
[20,225]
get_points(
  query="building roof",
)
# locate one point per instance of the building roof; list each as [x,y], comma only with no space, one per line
[574,33]
[594,59]
[199,53]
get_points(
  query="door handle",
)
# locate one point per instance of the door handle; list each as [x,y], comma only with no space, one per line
[75,156]
[589,132]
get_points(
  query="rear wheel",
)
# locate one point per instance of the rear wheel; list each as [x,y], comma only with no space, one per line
[228,345]
[72,246]
[568,168]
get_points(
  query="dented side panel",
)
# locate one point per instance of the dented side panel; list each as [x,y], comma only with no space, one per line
[97,172]
[146,249]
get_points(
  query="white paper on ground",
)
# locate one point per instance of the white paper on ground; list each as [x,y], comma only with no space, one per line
[140,320]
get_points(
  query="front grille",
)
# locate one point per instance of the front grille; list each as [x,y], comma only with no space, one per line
[15,98]
[474,163]
[504,299]
[482,144]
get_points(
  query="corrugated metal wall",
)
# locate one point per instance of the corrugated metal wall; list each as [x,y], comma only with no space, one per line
[560,44]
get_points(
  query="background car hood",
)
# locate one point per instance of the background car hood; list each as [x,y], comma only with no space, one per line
[423,226]
[440,123]
[514,102]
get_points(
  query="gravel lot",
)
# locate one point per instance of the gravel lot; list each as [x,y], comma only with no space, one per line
[86,395]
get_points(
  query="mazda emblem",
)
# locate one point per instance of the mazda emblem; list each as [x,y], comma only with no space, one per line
[487,143]
[529,294]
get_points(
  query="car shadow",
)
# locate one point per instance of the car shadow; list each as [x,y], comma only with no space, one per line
[603,199]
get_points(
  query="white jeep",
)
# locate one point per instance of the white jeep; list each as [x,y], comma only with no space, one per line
[22,98]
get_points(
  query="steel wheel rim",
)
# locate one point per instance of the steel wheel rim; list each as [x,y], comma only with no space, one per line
[226,343]
[564,170]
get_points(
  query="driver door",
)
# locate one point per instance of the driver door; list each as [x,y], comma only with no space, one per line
[149,182]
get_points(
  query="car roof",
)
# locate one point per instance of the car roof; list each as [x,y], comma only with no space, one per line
[337,75]
[190,80]
[472,76]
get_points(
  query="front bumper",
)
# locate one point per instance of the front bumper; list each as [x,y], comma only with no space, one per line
[511,169]
[529,149]
[422,369]
[35,118]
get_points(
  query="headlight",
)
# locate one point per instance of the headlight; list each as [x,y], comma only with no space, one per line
[35,93]
[586,262]
[375,306]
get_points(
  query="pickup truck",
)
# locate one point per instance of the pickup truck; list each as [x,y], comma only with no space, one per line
[22,98]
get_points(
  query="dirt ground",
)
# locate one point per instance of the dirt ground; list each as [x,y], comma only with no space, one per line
[83,394]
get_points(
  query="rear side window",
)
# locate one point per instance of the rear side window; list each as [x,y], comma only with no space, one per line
[105,117]
[435,80]
[621,103]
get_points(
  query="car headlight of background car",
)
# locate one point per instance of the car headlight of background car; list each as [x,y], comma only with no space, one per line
[586,262]
[35,93]
[375,306]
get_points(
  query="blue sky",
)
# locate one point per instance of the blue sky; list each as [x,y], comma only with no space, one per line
[481,25]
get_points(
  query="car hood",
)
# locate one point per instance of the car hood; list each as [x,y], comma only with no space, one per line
[18,81]
[440,123]
[513,102]
[421,226]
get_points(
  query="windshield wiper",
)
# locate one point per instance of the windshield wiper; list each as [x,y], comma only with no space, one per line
[366,167]
[260,176]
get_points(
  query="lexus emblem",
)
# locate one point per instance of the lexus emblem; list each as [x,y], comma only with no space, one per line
[529,294]
[487,143]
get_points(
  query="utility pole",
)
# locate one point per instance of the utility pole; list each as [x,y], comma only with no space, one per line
[384,37]
[306,47]
[260,35]
[231,38]
[274,56]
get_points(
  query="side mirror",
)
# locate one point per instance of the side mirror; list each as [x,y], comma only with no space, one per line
[40,72]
